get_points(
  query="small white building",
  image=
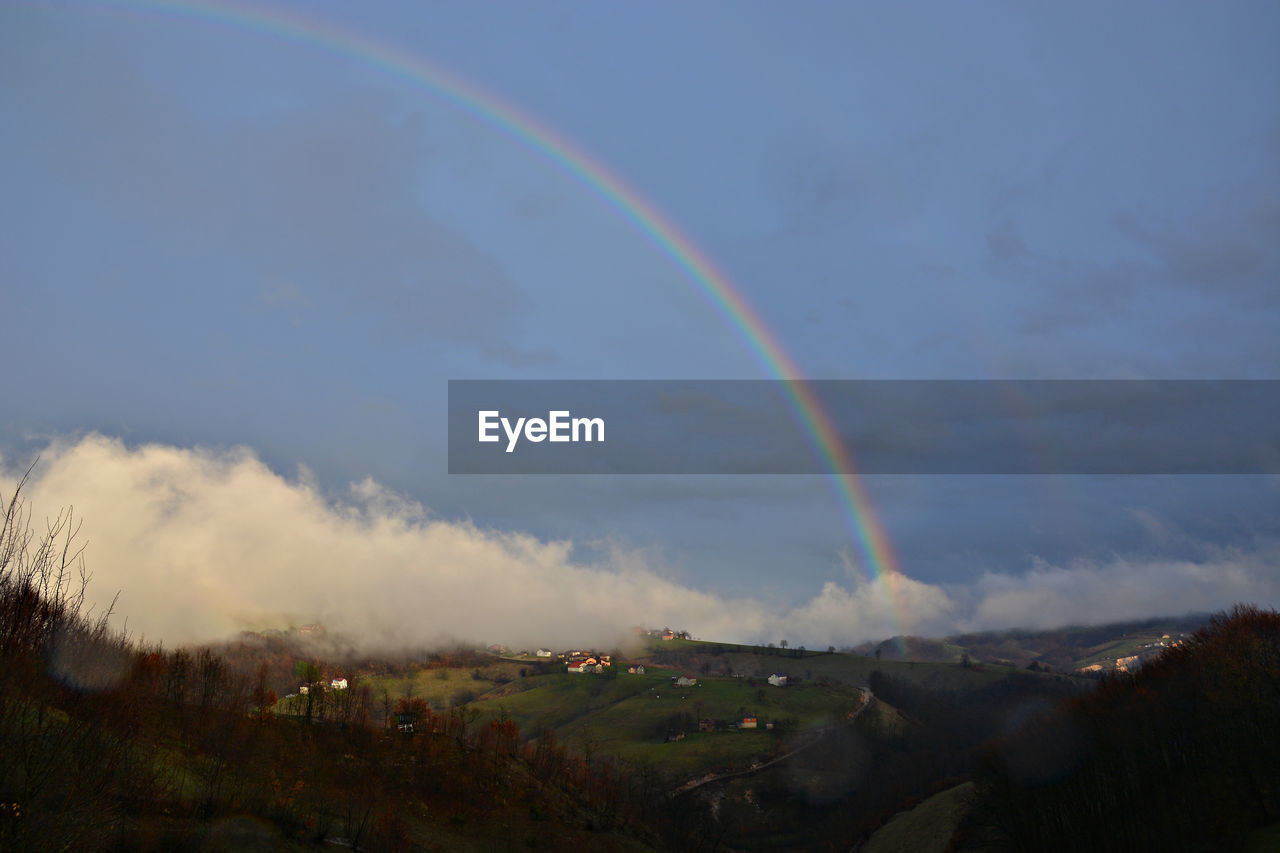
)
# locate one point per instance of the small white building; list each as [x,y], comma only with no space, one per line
[686,681]
[338,684]
[778,680]
[544,653]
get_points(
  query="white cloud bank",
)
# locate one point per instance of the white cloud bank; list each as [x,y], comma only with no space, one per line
[204,543]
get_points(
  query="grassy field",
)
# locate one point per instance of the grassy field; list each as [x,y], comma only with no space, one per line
[757,662]
[445,687]
[1107,653]
[927,828]
[629,716]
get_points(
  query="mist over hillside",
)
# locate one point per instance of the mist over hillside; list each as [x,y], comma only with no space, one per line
[203,543]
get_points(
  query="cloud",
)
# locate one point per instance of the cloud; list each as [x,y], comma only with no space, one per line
[1124,588]
[202,543]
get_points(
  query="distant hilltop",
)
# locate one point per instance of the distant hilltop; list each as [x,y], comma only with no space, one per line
[662,634]
[1117,646]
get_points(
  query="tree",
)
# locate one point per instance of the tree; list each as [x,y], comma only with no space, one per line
[60,762]
[307,672]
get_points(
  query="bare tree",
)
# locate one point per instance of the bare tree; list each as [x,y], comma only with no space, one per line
[56,766]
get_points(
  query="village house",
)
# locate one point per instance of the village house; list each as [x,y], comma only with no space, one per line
[778,680]
[749,723]
[543,653]
[668,634]
[338,684]
[578,667]
[638,669]
[686,681]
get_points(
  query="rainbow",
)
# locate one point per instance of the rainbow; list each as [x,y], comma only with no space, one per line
[877,556]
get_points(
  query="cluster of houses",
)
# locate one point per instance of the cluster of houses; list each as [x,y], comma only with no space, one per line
[1132,663]
[750,721]
[336,684]
[664,634]
[588,662]
[1129,663]
[580,661]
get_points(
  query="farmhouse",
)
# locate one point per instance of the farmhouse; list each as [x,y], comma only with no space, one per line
[749,723]
[686,681]
[338,684]
[544,653]
[778,680]
[638,669]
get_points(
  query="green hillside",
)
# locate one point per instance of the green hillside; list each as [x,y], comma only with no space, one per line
[631,716]
[927,828]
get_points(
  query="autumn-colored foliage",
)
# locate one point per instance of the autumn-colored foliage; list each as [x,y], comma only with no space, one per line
[1181,755]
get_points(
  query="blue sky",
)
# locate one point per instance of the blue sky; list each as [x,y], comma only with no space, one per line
[219,238]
